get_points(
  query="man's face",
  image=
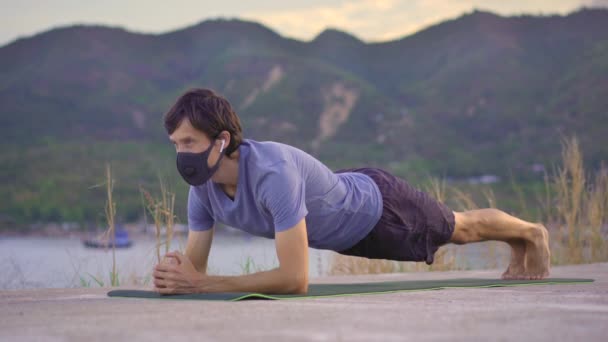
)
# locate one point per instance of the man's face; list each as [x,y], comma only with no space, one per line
[186,138]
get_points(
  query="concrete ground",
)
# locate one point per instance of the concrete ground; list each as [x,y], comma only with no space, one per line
[529,313]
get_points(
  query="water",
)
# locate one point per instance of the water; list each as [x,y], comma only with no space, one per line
[37,262]
[61,262]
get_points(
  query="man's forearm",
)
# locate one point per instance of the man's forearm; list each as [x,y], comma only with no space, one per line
[274,281]
[201,266]
[198,247]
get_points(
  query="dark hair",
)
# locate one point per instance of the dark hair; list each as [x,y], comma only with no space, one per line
[208,112]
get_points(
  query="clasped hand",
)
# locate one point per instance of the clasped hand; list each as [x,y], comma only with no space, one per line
[176,275]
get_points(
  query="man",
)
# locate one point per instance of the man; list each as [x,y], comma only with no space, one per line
[277,191]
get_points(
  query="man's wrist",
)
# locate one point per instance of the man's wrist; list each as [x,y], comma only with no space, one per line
[200,283]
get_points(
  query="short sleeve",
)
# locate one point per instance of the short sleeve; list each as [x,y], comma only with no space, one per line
[199,215]
[282,193]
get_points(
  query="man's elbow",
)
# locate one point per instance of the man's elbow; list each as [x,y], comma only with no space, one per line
[302,286]
[298,284]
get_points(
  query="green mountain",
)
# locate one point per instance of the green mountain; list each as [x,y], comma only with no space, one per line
[474,95]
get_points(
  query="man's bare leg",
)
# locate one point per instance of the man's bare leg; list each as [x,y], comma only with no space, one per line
[530,255]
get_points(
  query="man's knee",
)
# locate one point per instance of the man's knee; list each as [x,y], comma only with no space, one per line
[464,230]
[470,224]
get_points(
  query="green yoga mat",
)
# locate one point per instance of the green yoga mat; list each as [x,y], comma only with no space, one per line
[338,290]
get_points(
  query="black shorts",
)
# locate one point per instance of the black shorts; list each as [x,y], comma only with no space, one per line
[412,227]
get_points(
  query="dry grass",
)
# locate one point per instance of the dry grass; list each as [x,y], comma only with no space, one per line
[108,236]
[488,193]
[463,200]
[168,207]
[596,213]
[545,201]
[345,264]
[570,184]
[577,218]
[162,212]
[445,259]
[153,208]
[110,213]
[437,189]
[521,197]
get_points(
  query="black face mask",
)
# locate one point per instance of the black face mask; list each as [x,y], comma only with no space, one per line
[193,166]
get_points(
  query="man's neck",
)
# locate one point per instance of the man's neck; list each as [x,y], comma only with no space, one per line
[229,173]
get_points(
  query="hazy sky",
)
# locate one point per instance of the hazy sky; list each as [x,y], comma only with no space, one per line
[369,20]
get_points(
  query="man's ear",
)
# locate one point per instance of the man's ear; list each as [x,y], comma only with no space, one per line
[224,135]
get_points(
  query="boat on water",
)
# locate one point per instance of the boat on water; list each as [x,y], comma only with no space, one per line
[121,240]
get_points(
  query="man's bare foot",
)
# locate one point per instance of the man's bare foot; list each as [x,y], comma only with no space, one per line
[517,266]
[538,255]
[530,259]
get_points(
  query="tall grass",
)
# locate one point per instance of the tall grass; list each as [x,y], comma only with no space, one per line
[110,215]
[168,208]
[575,208]
[596,214]
[521,198]
[108,236]
[489,195]
[437,189]
[570,184]
[162,211]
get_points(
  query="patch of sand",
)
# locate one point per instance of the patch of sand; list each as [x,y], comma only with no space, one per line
[339,103]
[275,75]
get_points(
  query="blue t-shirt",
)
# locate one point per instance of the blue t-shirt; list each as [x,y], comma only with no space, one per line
[277,186]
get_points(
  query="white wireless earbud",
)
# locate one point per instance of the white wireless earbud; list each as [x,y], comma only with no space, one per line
[222,147]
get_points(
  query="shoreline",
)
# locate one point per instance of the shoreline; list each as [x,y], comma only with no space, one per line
[66,230]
